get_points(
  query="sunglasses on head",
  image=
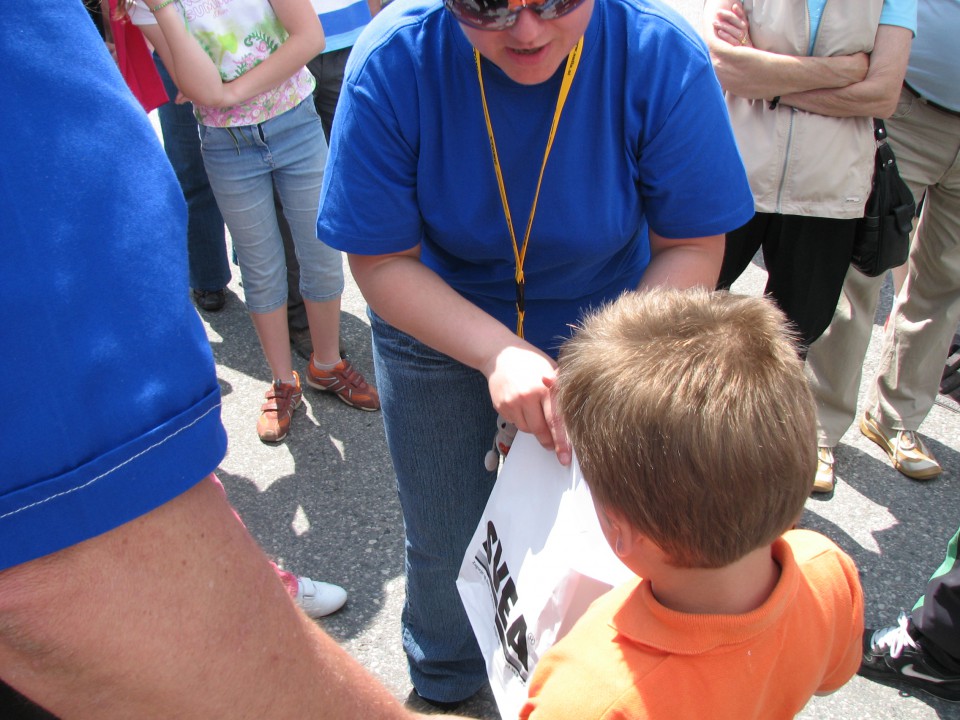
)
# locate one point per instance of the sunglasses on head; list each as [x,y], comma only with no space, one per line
[501,14]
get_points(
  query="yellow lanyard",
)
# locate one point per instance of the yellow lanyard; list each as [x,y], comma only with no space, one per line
[520,253]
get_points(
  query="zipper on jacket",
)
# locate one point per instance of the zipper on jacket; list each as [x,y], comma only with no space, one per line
[786,161]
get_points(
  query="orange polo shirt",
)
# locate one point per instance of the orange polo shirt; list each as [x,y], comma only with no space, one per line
[630,657]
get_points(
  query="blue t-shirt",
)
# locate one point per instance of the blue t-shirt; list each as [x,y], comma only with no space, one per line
[644,139]
[902,13]
[113,402]
[934,70]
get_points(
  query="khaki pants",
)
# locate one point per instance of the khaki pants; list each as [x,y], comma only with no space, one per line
[925,313]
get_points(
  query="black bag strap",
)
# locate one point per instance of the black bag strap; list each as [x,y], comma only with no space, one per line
[879,130]
[885,158]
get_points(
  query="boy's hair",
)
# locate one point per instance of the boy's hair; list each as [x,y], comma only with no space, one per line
[690,414]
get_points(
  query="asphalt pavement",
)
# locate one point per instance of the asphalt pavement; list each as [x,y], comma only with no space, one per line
[324,504]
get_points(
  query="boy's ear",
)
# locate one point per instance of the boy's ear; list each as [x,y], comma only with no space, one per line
[620,534]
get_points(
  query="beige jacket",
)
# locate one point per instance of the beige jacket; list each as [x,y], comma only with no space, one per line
[801,163]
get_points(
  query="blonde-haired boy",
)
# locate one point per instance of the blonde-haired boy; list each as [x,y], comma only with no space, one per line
[694,428]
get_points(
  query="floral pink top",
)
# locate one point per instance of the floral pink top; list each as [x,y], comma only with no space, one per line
[238,35]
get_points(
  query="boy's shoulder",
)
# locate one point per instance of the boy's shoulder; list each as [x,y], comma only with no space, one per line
[817,555]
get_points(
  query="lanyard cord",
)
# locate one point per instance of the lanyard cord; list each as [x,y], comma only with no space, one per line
[520,253]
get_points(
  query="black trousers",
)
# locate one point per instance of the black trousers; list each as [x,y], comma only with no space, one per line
[938,619]
[806,258]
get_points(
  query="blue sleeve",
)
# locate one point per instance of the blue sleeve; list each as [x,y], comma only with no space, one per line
[691,174]
[902,13]
[372,208]
[115,403]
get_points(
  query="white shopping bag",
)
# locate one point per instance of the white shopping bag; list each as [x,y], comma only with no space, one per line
[536,562]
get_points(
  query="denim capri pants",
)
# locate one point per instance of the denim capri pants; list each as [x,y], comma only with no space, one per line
[243,164]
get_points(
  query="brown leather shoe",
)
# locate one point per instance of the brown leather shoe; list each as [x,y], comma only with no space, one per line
[346,383]
[276,412]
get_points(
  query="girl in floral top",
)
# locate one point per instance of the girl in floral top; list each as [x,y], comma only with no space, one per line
[241,63]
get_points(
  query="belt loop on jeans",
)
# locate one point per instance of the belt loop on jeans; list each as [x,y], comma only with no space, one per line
[931,103]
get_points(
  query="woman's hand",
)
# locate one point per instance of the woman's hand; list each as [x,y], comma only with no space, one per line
[732,26]
[406,293]
[520,381]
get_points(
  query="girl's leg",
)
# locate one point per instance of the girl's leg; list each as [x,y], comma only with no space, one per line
[239,168]
[298,151]
[274,338]
[323,315]
[439,423]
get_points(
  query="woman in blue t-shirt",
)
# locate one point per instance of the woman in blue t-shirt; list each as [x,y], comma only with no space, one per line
[608,127]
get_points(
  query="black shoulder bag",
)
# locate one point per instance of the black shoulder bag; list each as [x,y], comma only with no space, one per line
[883,233]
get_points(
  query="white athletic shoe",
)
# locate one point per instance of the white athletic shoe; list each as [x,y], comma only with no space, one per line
[317,598]
[824,481]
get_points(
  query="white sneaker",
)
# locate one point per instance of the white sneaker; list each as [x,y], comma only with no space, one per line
[906,450]
[824,481]
[317,598]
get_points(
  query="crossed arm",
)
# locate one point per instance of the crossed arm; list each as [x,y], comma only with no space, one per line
[857,85]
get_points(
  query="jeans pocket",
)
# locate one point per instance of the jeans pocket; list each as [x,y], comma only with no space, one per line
[219,139]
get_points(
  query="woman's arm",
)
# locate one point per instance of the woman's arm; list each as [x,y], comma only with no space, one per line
[877,94]
[414,299]
[199,78]
[683,263]
[751,73]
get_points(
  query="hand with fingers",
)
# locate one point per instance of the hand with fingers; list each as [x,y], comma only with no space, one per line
[520,381]
[732,26]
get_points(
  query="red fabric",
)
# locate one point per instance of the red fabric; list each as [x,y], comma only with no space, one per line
[136,62]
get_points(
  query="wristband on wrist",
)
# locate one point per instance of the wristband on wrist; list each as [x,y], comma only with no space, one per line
[161,6]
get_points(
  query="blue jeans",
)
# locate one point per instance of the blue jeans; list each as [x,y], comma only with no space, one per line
[206,244]
[439,422]
[243,164]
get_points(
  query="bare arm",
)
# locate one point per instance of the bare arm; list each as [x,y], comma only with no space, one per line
[375,7]
[155,37]
[752,73]
[188,64]
[877,94]
[684,263]
[177,614]
[199,79]
[414,299]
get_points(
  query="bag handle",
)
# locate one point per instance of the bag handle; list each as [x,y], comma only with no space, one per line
[879,131]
